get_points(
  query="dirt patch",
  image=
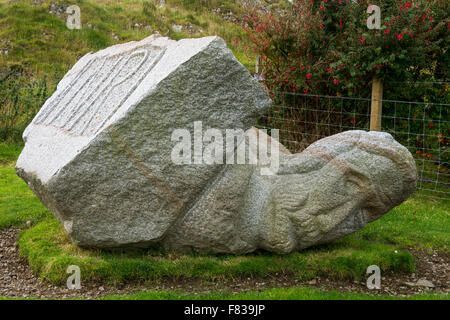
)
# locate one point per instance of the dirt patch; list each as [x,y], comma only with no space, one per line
[432,276]
[18,280]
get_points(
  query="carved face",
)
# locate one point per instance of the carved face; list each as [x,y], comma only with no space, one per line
[351,179]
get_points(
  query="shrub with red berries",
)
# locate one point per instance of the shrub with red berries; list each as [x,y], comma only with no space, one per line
[326,47]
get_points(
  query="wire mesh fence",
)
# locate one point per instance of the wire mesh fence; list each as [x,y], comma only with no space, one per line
[422,127]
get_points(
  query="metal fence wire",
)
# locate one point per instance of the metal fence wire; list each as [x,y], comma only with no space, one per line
[422,127]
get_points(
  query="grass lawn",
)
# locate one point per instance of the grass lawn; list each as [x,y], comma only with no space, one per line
[17,203]
[298,293]
[416,223]
[50,252]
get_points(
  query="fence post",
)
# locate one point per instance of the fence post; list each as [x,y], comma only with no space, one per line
[257,64]
[377,105]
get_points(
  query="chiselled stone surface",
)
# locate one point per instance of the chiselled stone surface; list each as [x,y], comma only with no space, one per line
[333,188]
[98,155]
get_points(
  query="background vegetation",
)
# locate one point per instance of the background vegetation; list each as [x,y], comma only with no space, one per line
[325,48]
[37,49]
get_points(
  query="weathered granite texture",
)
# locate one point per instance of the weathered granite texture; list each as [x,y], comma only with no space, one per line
[332,189]
[98,156]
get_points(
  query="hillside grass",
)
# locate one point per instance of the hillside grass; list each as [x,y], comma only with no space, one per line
[37,49]
[418,223]
[39,43]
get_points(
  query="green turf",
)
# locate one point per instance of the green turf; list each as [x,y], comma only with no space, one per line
[49,252]
[9,152]
[17,203]
[297,293]
[418,223]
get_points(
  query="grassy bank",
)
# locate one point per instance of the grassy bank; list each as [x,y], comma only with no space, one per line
[38,42]
[50,252]
[37,48]
[416,223]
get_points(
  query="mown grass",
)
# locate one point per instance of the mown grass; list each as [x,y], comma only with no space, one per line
[420,222]
[17,203]
[50,252]
[297,293]
[416,223]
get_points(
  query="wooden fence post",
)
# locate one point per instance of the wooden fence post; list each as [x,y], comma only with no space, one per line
[257,64]
[376,108]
